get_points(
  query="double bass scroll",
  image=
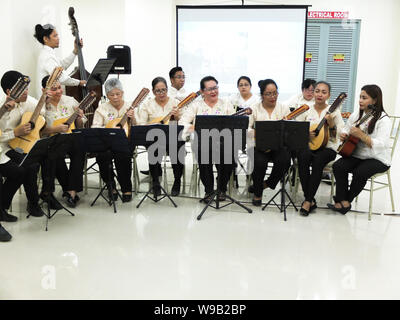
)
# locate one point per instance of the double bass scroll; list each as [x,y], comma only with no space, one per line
[81,73]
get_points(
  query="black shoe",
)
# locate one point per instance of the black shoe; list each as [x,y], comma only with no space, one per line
[76,198]
[126,197]
[145,172]
[34,210]
[176,188]
[156,190]
[207,197]
[222,196]
[4,235]
[256,203]
[69,200]
[5,216]
[313,206]
[303,211]
[342,210]
[51,201]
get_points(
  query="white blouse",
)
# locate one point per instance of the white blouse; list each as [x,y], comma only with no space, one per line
[199,107]
[151,110]
[64,109]
[47,61]
[238,101]
[380,138]
[106,113]
[261,114]
[298,100]
[314,118]
[12,119]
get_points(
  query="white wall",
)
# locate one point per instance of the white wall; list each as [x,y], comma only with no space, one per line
[148,27]
[379,52]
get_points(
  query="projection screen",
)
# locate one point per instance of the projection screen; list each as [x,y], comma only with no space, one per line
[230,41]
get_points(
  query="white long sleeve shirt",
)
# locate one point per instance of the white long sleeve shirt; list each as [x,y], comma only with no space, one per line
[380,138]
[47,61]
[314,118]
[298,100]
[106,113]
[177,94]
[11,120]
[238,101]
[151,110]
[199,107]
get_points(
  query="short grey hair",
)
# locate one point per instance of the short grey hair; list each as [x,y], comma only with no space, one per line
[111,84]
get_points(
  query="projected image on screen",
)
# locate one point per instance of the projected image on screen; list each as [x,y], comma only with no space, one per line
[230,42]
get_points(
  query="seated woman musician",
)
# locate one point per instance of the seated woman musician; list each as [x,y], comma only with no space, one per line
[372,154]
[269,109]
[211,104]
[157,108]
[316,160]
[114,108]
[244,98]
[61,107]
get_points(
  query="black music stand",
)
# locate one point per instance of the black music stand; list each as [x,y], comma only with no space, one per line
[275,135]
[219,123]
[99,140]
[100,72]
[53,147]
[139,138]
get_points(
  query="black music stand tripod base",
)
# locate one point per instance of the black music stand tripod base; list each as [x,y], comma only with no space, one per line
[215,197]
[283,206]
[43,148]
[156,199]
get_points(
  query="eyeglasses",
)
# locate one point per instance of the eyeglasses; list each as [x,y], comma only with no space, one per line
[269,94]
[244,85]
[48,26]
[211,89]
[309,90]
[179,77]
[160,91]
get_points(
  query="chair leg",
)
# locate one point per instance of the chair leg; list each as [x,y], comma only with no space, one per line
[390,189]
[371,194]
[332,186]
[184,179]
[86,176]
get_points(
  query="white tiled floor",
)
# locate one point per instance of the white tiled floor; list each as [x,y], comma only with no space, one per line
[162,252]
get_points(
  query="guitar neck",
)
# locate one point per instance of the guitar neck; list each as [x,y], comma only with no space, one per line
[38,107]
[140,97]
[81,65]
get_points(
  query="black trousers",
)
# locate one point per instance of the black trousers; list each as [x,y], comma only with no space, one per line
[177,166]
[362,170]
[223,165]
[15,176]
[72,178]
[280,159]
[317,160]
[123,165]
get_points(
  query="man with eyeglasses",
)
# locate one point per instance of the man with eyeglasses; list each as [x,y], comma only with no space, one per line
[47,35]
[306,96]
[177,77]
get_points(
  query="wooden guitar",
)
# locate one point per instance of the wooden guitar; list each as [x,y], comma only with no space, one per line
[165,119]
[16,91]
[82,74]
[83,105]
[322,130]
[24,144]
[348,146]
[124,122]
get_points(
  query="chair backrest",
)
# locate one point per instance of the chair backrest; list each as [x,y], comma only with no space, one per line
[394,133]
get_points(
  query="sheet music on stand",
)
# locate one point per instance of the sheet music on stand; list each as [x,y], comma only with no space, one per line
[100,72]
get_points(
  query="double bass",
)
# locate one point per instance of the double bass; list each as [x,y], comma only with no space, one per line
[80,73]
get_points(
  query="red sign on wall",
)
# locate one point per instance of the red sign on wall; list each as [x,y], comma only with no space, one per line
[328,14]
